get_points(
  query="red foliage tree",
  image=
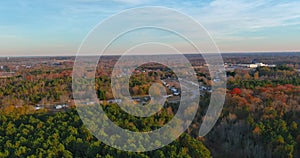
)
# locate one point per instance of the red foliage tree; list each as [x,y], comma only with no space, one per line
[236,91]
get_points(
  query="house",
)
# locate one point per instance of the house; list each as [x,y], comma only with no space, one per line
[203,88]
[28,66]
[176,93]
[173,89]
[216,80]
[90,103]
[58,107]
[38,107]
[111,101]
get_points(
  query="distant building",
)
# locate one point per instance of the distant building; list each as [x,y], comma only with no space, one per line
[255,65]
[176,93]
[58,107]
[111,101]
[203,88]
[28,66]
[61,106]
[38,107]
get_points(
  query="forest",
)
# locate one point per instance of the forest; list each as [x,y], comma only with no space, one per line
[64,135]
[260,117]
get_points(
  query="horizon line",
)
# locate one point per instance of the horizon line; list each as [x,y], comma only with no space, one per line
[68,55]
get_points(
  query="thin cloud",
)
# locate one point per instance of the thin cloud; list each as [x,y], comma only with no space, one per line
[223,16]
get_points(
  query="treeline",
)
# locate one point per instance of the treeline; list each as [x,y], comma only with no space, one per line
[19,92]
[251,84]
[263,76]
[64,135]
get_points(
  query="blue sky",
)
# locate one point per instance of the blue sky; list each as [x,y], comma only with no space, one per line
[48,27]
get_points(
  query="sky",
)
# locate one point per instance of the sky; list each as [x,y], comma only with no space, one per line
[48,27]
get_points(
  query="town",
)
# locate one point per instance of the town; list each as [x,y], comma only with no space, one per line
[56,67]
